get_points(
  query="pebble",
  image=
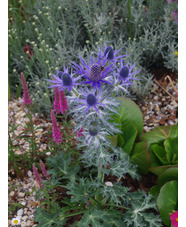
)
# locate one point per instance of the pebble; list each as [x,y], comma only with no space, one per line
[23,203]
[48,153]
[21,194]
[25,217]
[12,193]
[29,173]
[28,223]
[20,212]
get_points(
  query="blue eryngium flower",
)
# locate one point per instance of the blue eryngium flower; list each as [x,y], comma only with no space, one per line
[90,100]
[64,80]
[95,72]
[110,54]
[124,74]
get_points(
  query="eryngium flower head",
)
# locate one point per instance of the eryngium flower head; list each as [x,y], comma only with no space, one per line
[64,80]
[91,101]
[95,72]
[26,96]
[124,74]
[95,134]
[110,54]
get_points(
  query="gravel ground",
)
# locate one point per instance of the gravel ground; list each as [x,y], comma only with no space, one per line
[159,108]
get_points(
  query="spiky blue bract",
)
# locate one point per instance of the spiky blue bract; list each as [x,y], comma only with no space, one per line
[94,134]
[64,80]
[110,54]
[95,72]
[124,74]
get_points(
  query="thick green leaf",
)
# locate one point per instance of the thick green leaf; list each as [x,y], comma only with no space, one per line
[168,175]
[140,156]
[159,134]
[160,169]
[167,200]
[120,141]
[160,153]
[129,135]
[171,148]
[155,190]
[129,113]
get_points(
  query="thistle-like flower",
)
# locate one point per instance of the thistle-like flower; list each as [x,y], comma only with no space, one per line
[45,174]
[91,100]
[95,72]
[109,54]
[95,134]
[56,131]
[26,96]
[124,74]
[64,80]
[37,176]
[60,102]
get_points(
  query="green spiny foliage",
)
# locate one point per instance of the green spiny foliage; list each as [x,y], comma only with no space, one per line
[138,214]
[61,166]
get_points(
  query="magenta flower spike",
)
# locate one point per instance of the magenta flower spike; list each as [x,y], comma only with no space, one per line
[60,102]
[80,133]
[46,175]
[56,100]
[56,130]
[26,96]
[63,102]
[37,176]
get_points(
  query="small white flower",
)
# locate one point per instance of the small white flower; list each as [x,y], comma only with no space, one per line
[109,184]
[36,29]
[16,221]
[57,68]
[46,61]
[37,83]
[46,7]
[27,52]
[47,45]
[59,7]
[32,42]
[21,57]
[33,23]
[50,74]
[14,70]
[50,49]
[27,40]
[87,41]
[40,12]
[96,43]
[23,21]
[45,94]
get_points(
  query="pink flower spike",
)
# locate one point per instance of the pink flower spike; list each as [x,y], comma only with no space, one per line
[63,102]
[79,133]
[174,219]
[44,170]
[37,176]
[26,96]
[56,130]
[56,100]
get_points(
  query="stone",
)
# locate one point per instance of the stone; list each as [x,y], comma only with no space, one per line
[156,98]
[28,223]
[12,193]
[29,173]
[22,194]
[48,153]
[20,212]
[23,203]
[25,217]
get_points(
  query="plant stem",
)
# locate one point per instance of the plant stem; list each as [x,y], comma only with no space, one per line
[73,214]
[130,25]
[113,205]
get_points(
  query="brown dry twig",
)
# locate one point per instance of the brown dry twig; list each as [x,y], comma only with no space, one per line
[170,80]
[165,90]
